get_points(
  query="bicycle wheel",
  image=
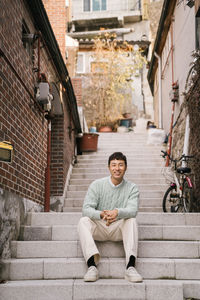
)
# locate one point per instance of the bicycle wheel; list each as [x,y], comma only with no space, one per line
[187,197]
[172,201]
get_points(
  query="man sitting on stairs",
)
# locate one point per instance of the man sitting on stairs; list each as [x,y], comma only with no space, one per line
[109,212]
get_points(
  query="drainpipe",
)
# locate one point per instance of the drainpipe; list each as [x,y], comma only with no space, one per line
[173,105]
[47,171]
[38,70]
[186,139]
[142,92]
[160,89]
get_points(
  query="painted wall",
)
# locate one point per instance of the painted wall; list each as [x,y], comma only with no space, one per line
[112,6]
[184,44]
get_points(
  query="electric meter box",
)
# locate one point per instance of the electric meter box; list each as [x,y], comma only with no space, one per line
[6,152]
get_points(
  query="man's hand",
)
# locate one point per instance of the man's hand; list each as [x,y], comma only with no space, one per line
[109,216]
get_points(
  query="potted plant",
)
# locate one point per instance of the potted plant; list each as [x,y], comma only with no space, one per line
[107,89]
[87,142]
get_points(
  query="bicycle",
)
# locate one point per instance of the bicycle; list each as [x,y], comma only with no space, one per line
[179,196]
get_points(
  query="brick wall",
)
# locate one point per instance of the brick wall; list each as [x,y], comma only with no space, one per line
[57,14]
[22,182]
[77,86]
[57,151]
[62,152]
[22,123]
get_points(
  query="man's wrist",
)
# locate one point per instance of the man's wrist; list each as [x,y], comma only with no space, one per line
[102,215]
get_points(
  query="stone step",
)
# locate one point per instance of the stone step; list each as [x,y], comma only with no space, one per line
[118,135]
[129,151]
[136,164]
[146,232]
[142,187]
[56,218]
[125,145]
[66,249]
[132,176]
[103,289]
[137,181]
[123,137]
[130,157]
[143,194]
[141,209]
[144,202]
[105,171]
[67,268]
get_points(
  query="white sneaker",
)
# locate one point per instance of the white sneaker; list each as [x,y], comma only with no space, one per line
[92,274]
[132,275]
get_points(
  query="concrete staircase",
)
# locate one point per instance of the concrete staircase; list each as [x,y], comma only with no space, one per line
[47,261]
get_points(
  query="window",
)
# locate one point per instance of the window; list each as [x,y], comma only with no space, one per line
[94,5]
[86,5]
[80,63]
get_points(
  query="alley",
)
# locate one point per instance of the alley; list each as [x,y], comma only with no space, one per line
[72,71]
[47,261]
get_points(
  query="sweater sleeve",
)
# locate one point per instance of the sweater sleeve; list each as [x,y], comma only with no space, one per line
[91,202]
[131,209]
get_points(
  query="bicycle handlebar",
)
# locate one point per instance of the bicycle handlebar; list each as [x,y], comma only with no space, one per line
[183,156]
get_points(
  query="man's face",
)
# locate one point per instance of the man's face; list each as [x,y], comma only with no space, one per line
[117,169]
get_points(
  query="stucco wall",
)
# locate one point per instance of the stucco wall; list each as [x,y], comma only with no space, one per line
[184,44]
[112,5]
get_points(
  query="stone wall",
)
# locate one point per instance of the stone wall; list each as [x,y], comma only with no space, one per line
[193,104]
[13,212]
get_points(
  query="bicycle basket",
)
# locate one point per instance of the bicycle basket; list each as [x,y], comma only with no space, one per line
[168,173]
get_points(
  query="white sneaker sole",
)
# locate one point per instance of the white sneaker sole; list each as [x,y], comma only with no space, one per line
[91,279]
[133,280]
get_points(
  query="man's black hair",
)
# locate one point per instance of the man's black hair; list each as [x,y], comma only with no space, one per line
[118,156]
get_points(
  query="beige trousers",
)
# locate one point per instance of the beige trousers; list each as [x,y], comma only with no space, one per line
[122,230]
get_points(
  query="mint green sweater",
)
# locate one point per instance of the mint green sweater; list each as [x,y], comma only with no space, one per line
[103,195]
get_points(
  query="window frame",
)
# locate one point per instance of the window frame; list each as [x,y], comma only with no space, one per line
[83,66]
[27,45]
[91,6]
